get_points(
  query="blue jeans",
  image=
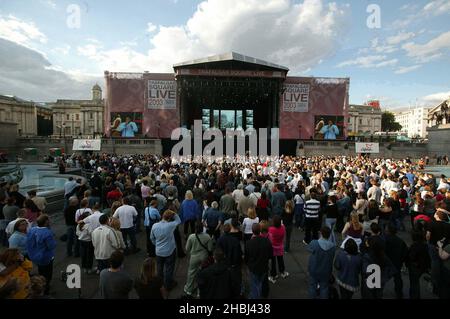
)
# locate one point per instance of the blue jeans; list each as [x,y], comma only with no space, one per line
[256,285]
[331,222]
[166,267]
[312,289]
[299,215]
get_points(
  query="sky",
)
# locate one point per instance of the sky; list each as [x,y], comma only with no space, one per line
[394,51]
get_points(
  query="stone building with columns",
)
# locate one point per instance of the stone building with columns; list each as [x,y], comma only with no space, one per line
[31,118]
[79,117]
[363,120]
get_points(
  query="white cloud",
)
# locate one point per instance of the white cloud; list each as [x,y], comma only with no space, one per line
[385,49]
[391,62]
[433,8]
[88,50]
[151,27]
[49,3]
[62,50]
[296,39]
[407,69]
[400,37]
[370,61]
[19,31]
[29,75]
[437,7]
[430,50]
[436,97]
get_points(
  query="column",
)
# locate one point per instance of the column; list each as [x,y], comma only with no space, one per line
[95,121]
[83,124]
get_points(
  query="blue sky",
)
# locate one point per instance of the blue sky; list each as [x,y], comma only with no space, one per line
[405,61]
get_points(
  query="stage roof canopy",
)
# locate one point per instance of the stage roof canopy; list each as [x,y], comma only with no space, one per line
[230,57]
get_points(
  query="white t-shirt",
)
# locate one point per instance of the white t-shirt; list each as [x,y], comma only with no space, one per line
[81,211]
[299,199]
[248,223]
[92,221]
[125,213]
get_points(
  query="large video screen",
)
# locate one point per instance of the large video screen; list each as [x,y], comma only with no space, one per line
[322,120]
[126,124]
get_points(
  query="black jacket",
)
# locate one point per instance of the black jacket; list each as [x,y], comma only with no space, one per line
[231,248]
[258,251]
[396,250]
[418,259]
[69,215]
[217,282]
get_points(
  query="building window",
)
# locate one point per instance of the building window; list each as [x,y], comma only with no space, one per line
[67,117]
[91,116]
[77,117]
[360,121]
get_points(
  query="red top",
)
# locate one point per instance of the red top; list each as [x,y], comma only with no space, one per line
[276,236]
[262,203]
[114,195]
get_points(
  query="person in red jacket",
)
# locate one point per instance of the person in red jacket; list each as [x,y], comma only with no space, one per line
[277,232]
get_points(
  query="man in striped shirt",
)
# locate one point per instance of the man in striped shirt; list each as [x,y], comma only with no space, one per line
[312,218]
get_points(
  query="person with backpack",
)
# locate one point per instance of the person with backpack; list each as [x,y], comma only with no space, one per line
[41,245]
[199,246]
[151,216]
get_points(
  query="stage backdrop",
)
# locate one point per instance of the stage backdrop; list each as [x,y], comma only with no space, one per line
[305,99]
[153,95]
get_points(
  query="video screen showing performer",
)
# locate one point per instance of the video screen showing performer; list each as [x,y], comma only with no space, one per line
[126,124]
[328,127]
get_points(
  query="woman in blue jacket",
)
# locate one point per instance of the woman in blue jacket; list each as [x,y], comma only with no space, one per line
[189,213]
[348,264]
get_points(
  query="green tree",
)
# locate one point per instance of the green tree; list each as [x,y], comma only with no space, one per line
[388,123]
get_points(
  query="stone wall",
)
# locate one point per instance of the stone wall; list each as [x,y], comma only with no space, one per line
[439,140]
[154,146]
[117,146]
[8,137]
[336,148]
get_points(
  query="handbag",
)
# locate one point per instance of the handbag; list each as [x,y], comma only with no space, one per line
[210,259]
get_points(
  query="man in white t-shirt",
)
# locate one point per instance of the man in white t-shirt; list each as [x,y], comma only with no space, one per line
[127,214]
[92,221]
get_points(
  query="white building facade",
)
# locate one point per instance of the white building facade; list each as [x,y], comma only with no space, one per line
[414,121]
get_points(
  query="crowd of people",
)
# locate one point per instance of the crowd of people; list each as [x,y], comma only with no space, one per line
[233,221]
